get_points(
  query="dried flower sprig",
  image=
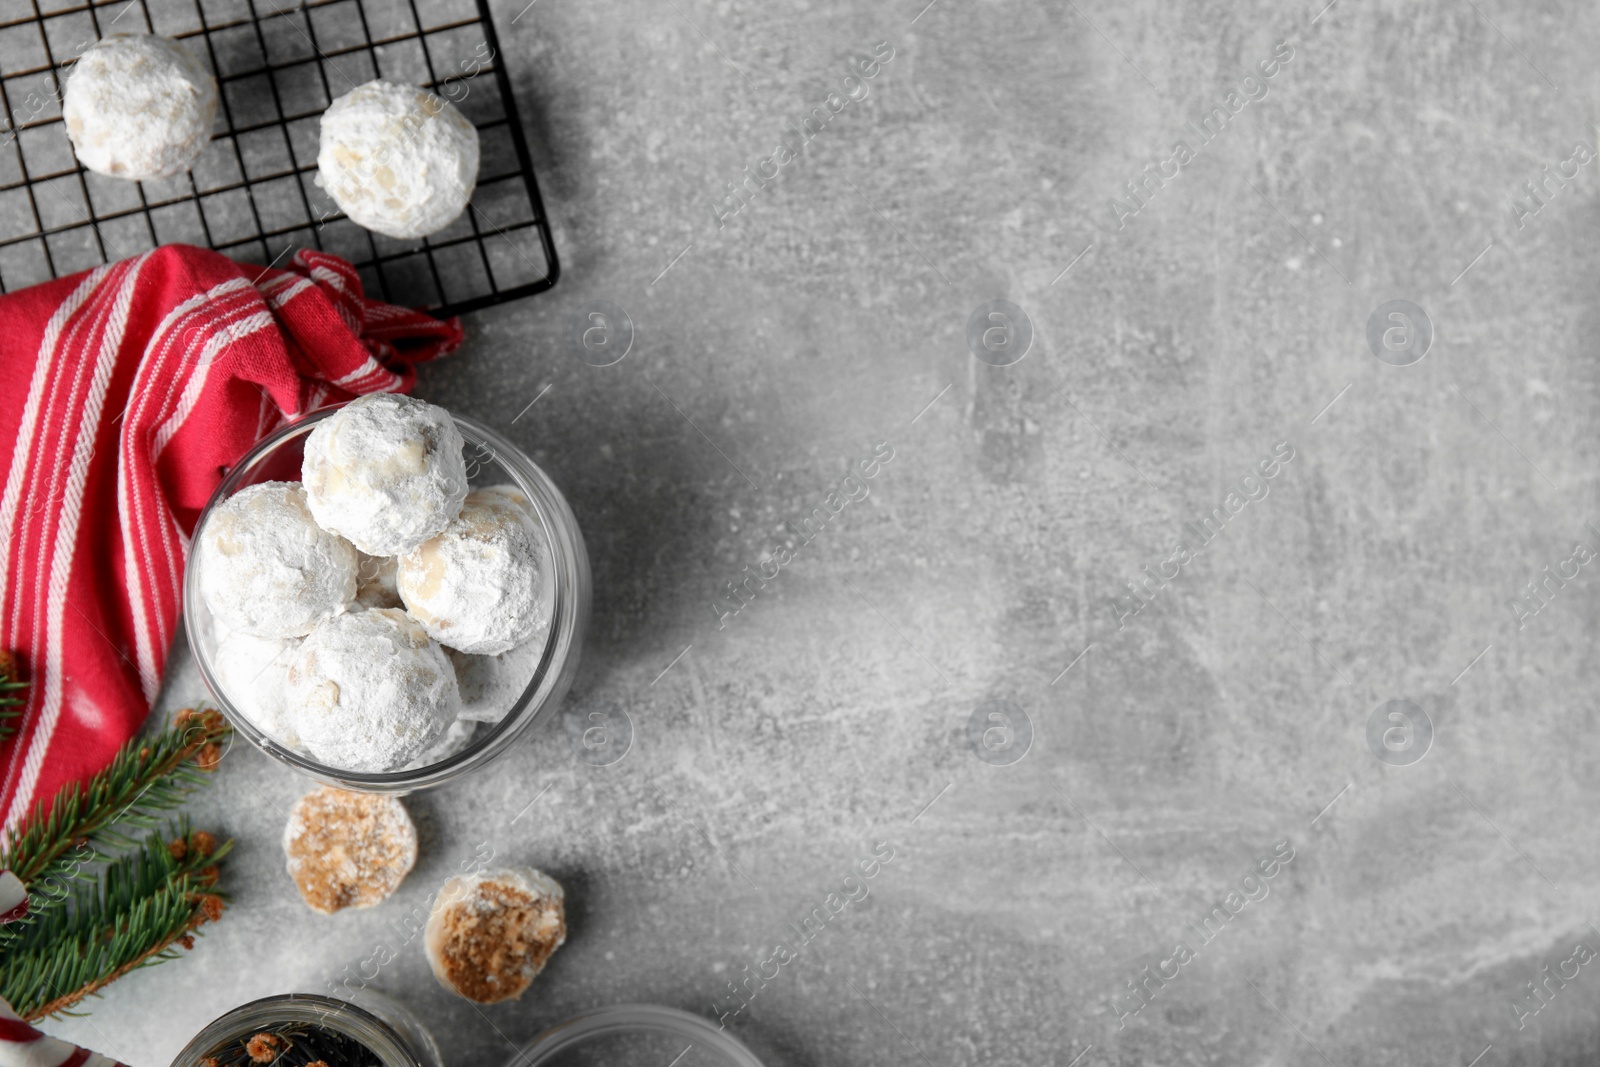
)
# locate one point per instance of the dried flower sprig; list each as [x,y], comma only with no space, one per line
[293,1045]
[12,694]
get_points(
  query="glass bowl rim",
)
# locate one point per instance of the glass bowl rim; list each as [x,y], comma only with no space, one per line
[628,1018]
[361,1023]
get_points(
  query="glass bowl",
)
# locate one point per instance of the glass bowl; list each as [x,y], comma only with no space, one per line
[635,1035]
[491,460]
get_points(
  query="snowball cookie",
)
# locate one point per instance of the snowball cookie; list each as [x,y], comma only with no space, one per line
[397,159]
[479,585]
[490,933]
[456,738]
[385,471]
[254,673]
[489,685]
[348,850]
[139,106]
[267,568]
[370,691]
[375,578]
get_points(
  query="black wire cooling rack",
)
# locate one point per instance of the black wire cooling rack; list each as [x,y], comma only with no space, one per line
[251,193]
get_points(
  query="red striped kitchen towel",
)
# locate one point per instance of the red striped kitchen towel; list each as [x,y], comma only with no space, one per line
[128,391]
[23,1046]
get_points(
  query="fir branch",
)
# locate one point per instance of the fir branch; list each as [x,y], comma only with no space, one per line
[108,891]
[144,778]
[142,904]
[103,900]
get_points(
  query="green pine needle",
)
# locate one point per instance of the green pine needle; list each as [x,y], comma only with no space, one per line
[145,778]
[142,903]
[106,892]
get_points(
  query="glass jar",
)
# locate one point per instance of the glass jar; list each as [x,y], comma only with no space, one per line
[491,460]
[636,1035]
[388,1030]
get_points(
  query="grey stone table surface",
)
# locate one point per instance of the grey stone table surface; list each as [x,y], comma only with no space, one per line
[1211,318]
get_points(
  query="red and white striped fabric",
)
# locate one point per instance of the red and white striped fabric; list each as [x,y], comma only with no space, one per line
[130,389]
[23,1046]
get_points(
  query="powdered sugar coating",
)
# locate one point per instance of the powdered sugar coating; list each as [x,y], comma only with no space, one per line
[254,673]
[490,685]
[478,586]
[139,106]
[267,568]
[385,471]
[397,159]
[370,691]
[457,736]
[375,578]
[490,933]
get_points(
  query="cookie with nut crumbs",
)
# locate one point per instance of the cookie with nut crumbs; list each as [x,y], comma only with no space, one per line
[490,933]
[348,850]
